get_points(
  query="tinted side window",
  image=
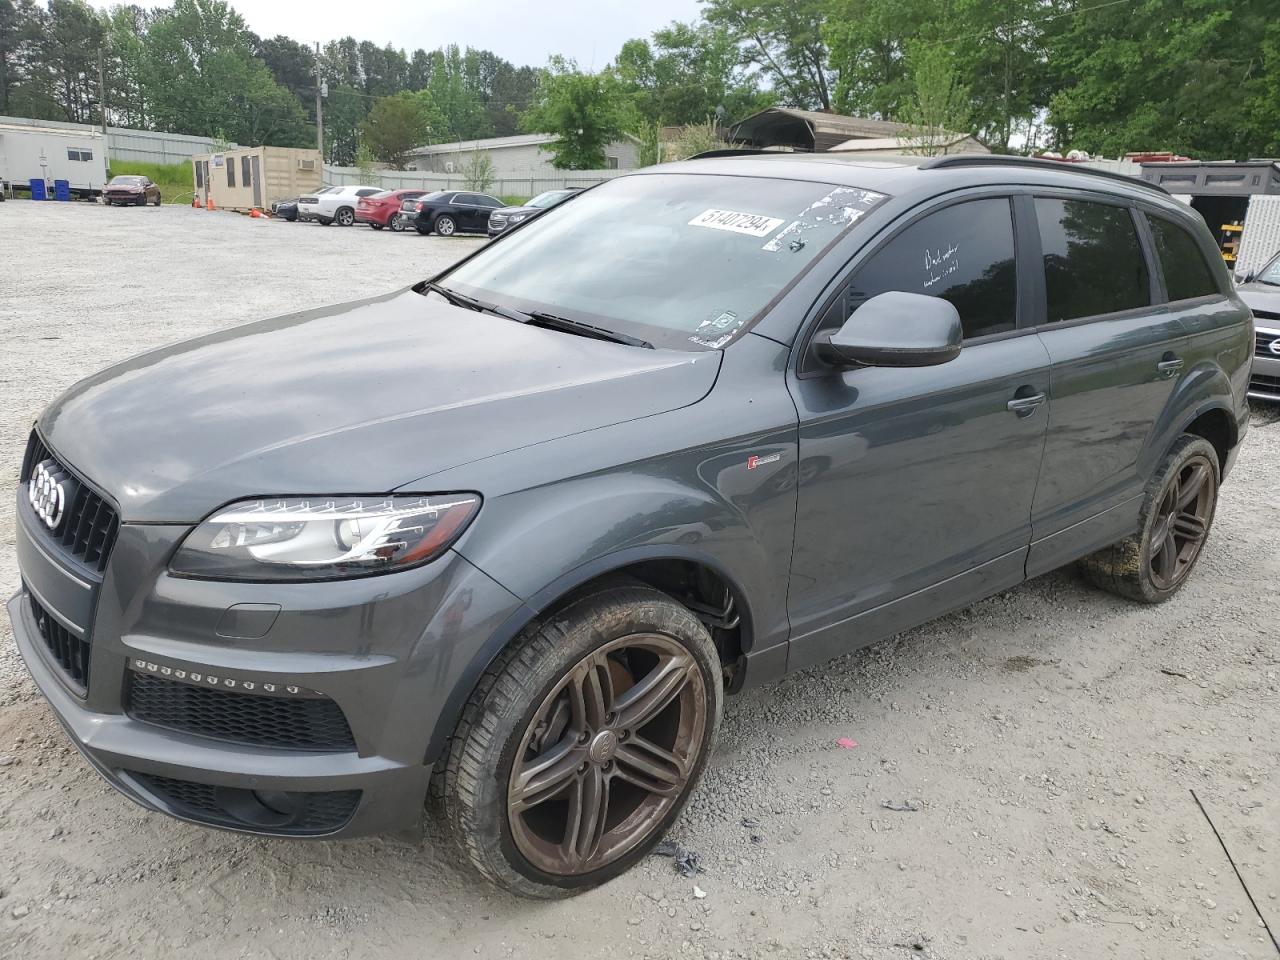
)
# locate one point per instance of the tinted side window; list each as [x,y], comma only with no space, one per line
[1093,263]
[1186,274]
[963,254]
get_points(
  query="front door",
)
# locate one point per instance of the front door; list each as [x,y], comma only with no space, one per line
[916,484]
[1116,360]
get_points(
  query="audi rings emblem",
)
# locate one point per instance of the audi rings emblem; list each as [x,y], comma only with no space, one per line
[47,490]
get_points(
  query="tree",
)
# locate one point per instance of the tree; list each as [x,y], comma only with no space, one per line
[785,40]
[477,171]
[344,111]
[20,22]
[395,126]
[586,112]
[938,103]
[454,98]
[123,50]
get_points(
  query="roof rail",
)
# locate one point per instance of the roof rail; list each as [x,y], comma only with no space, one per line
[712,154]
[997,160]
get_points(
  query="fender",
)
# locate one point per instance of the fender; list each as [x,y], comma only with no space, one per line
[1204,388]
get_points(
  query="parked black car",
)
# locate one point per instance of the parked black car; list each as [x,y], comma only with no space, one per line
[512,535]
[505,217]
[447,212]
[285,209]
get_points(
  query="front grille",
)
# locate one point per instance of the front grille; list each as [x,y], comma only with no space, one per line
[318,812]
[294,723]
[89,524]
[1264,384]
[497,220]
[1262,344]
[69,651]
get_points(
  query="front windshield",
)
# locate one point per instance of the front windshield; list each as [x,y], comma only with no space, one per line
[1271,272]
[126,181]
[679,260]
[550,198]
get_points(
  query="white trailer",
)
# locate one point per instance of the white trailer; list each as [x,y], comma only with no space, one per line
[51,153]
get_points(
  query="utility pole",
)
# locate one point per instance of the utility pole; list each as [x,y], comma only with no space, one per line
[102,94]
[319,107]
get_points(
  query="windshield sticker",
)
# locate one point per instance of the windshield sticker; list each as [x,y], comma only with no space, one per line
[843,206]
[751,224]
[716,331]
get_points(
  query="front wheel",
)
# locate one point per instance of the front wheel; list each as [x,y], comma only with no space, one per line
[141,201]
[377,226]
[582,742]
[1153,564]
[157,203]
[446,226]
[397,224]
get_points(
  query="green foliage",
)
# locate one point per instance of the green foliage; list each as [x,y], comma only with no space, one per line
[394,127]
[368,165]
[477,172]
[785,40]
[938,103]
[586,112]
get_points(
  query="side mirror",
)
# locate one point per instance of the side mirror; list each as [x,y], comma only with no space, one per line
[895,329]
[1245,277]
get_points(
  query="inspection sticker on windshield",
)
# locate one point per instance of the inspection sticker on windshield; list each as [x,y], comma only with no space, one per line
[751,224]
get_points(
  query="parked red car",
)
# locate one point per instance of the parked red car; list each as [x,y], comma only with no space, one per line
[138,191]
[383,209]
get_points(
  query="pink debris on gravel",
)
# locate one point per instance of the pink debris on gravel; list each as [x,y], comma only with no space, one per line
[846,743]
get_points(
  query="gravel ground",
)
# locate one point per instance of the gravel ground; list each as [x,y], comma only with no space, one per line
[1039,747]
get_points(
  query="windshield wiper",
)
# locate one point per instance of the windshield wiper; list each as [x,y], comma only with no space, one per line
[537,318]
[552,322]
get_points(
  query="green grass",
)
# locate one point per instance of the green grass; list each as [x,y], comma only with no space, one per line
[515,201]
[173,179]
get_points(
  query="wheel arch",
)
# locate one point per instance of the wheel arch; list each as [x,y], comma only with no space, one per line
[689,576]
[1202,404]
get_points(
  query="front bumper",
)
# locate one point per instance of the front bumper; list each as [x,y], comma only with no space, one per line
[1264,378]
[387,650]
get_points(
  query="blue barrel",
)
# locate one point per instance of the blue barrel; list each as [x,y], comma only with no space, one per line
[62,189]
[37,189]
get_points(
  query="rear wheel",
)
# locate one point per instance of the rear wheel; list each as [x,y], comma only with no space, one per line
[582,742]
[377,226]
[397,224]
[345,216]
[446,226]
[1153,564]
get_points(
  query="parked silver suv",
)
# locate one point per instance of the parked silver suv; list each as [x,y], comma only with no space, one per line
[514,533]
[1261,291]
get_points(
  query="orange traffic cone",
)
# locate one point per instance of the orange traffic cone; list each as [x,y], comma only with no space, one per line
[195,203]
[255,213]
[208,204]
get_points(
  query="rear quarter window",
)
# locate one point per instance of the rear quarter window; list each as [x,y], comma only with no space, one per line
[1186,272]
[1093,262]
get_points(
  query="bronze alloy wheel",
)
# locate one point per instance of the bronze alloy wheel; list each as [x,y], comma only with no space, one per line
[607,754]
[1182,522]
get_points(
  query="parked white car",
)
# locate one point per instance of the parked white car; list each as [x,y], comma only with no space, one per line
[334,204]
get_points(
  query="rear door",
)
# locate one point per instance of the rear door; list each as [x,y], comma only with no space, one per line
[1117,354]
[916,484]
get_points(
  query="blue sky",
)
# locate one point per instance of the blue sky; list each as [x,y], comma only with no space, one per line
[523,31]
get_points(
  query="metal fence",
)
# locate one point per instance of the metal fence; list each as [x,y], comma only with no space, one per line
[146,146]
[505,185]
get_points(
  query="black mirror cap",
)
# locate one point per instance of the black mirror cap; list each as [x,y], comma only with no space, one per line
[896,329]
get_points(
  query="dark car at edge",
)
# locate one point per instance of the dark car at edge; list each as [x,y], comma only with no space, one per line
[504,541]
[504,217]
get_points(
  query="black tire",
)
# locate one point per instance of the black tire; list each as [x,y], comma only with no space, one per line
[472,783]
[445,226]
[324,221]
[1128,568]
[292,219]
[377,226]
[157,203]
[141,201]
[397,224]
[421,229]
[344,216]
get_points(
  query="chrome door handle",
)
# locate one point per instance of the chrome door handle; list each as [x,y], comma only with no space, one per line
[1026,406]
[1170,365]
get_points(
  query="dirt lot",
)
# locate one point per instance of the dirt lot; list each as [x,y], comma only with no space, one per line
[1043,743]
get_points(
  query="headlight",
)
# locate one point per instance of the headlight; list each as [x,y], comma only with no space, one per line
[517,217]
[323,538]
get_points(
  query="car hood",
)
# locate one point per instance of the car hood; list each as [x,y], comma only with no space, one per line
[1262,298]
[508,211]
[363,397]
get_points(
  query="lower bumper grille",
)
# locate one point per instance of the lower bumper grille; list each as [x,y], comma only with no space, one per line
[69,651]
[291,812]
[294,723]
[1263,384]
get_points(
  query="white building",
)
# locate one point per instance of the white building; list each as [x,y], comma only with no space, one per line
[29,152]
[522,155]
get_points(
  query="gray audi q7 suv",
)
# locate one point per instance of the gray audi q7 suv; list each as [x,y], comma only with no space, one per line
[507,538]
